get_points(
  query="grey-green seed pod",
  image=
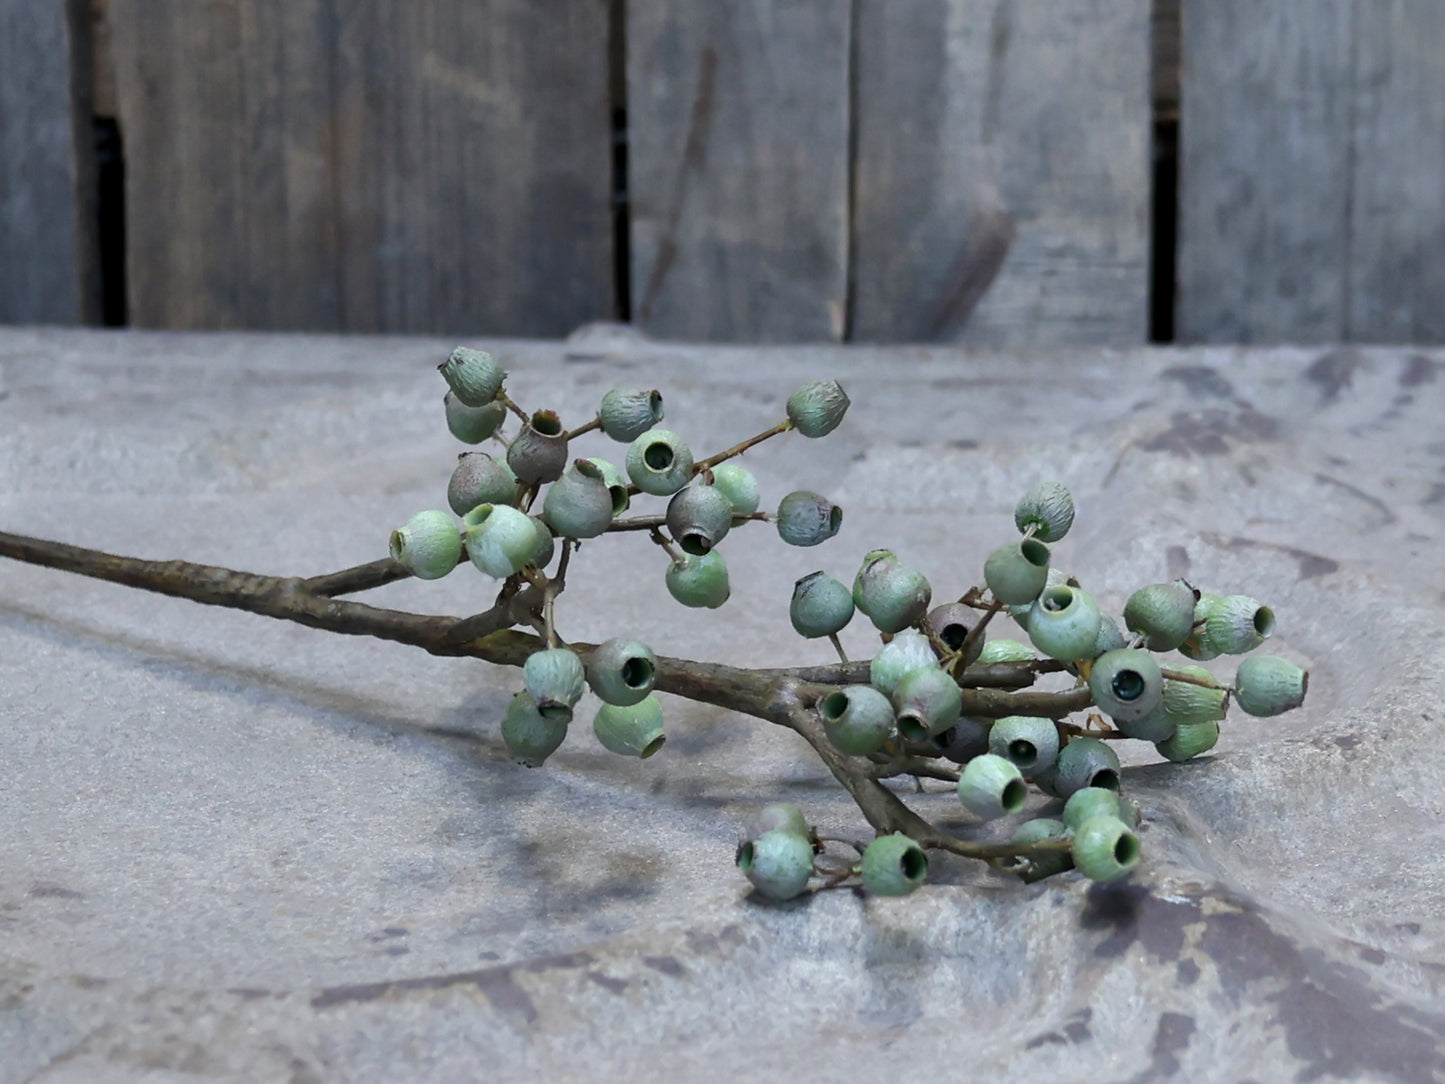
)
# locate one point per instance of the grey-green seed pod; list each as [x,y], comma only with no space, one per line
[1105,849]
[532,737]
[1031,743]
[893,865]
[631,730]
[1196,645]
[699,581]
[1044,863]
[554,680]
[1126,683]
[1016,573]
[1064,623]
[991,786]
[616,483]
[820,606]
[474,375]
[816,409]
[806,519]
[1269,685]
[538,453]
[858,719]
[480,479]
[699,517]
[578,504]
[891,594]
[952,623]
[1163,613]
[546,544]
[472,425]
[738,485]
[1109,638]
[621,671]
[1085,762]
[1237,624]
[1189,741]
[1090,802]
[500,539]
[964,740]
[627,413]
[778,863]
[429,545]
[1183,702]
[905,653]
[1004,650]
[659,462]
[781,816]
[926,702]
[1048,508]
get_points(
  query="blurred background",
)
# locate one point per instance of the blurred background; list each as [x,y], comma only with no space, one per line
[1012,173]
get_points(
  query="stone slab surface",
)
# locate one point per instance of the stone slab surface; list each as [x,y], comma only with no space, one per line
[236,849]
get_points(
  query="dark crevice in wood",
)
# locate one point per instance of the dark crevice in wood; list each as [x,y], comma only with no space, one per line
[621,206]
[110,221]
[1167,29]
[850,280]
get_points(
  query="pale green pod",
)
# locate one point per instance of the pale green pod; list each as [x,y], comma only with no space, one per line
[1196,645]
[627,413]
[621,670]
[1016,573]
[807,519]
[1182,702]
[951,623]
[1163,613]
[1043,864]
[538,453]
[739,486]
[546,544]
[1269,685]
[816,409]
[821,606]
[1090,802]
[532,737]
[473,375]
[778,863]
[926,702]
[616,483]
[1005,650]
[631,730]
[1031,743]
[699,517]
[905,653]
[1048,508]
[554,679]
[1105,849]
[1189,741]
[1237,624]
[480,479]
[578,505]
[500,539]
[699,581]
[858,719]
[1109,638]
[1064,623]
[659,462]
[991,786]
[1126,683]
[472,425]
[429,545]
[780,816]
[892,595]
[1085,762]
[893,865]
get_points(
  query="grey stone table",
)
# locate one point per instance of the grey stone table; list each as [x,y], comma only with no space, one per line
[235,848]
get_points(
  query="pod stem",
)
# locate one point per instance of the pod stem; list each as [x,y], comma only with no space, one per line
[648,523]
[506,401]
[595,423]
[837,646]
[738,449]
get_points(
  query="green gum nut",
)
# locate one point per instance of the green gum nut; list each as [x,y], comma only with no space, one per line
[480,479]
[858,719]
[1269,685]
[816,409]
[820,606]
[738,485]
[906,652]
[965,739]
[473,375]
[616,483]
[429,545]
[806,519]
[698,517]
[780,816]
[500,539]
[1237,624]
[621,671]
[554,679]
[1105,849]
[630,730]
[1031,743]
[951,623]
[1189,741]
[1048,508]
[578,505]
[659,462]
[926,702]
[627,413]
[1183,702]
[1064,623]
[1085,762]
[1016,573]
[1196,645]
[1090,802]
[546,544]
[472,425]
[778,863]
[700,582]
[1126,683]
[893,865]
[1163,613]
[991,786]
[891,594]
[538,453]
[1044,863]
[1109,638]
[532,737]
[1005,650]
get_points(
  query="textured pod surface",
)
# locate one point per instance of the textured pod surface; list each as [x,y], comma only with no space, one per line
[429,545]
[816,409]
[1189,740]
[659,462]
[699,581]
[1105,849]
[1090,802]
[1269,685]
[905,653]
[778,863]
[621,670]
[1017,572]
[1005,650]
[531,736]
[1085,762]
[1048,508]
[894,865]
[858,719]
[472,425]
[1064,623]
[631,730]
[480,479]
[1163,613]
[1237,624]
[926,702]
[699,517]
[891,594]
[627,413]
[1031,743]
[500,539]
[820,606]
[1126,683]
[578,505]
[807,519]
[616,483]
[538,453]
[991,786]
[474,375]
[1182,702]
[740,487]
[554,679]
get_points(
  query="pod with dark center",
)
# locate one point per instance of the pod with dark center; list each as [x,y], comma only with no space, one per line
[1182,703]
[621,671]
[858,719]
[480,479]
[579,505]
[1163,613]
[991,786]
[821,606]
[892,595]
[627,413]
[778,863]
[807,519]
[1189,741]
[1043,864]
[554,679]
[472,425]
[1031,742]
[473,375]
[1269,685]
[1047,508]
[951,623]
[1085,762]
[738,485]
[816,409]
[893,865]
[965,739]
[1105,849]
[700,582]
[1126,684]
[500,539]
[906,652]
[1238,624]
[531,737]
[926,702]
[429,545]
[616,483]
[538,453]
[1016,573]
[699,517]
[659,462]
[1090,802]
[631,730]
[1064,623]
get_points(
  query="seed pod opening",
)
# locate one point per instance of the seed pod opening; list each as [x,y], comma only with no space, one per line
[1126,683]
[621,671]
[951,623]
[1017,572]
[531,737]
[926,702]
[1064,623]
[699,517]
[807,519]
[429,545]
[627,413]
[1238,624]
[1085,762]
[893,865]
[1105,849]
[538,453]
[1031,743]
[858,719]
[659,462]
[991,786]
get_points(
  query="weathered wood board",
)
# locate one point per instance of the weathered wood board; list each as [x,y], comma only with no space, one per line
[738,168]
[366,165]
[1002,171]
[48,269]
